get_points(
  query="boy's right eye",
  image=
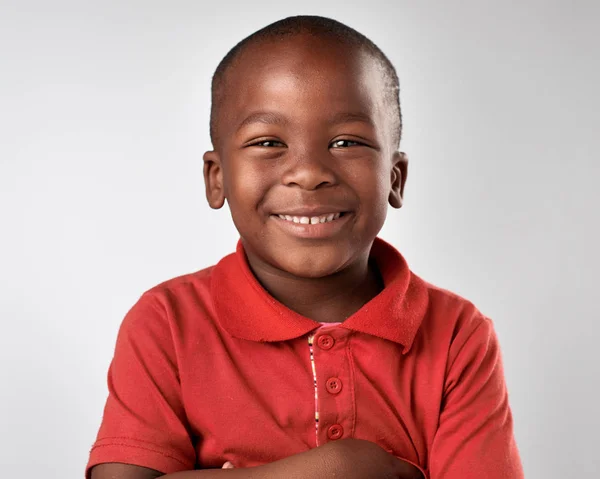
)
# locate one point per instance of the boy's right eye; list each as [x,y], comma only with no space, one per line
[267,143]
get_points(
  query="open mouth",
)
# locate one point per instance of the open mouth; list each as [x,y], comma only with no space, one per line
[314,226]
[312,220]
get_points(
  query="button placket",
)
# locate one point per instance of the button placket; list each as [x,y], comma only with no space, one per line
[335,398]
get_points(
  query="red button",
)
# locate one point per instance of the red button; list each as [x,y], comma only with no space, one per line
[335,432]
[325,341]
[333,385]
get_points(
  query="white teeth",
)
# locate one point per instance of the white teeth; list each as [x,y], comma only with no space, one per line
[312,220]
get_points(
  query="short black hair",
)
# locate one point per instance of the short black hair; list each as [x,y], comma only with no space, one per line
[312,25]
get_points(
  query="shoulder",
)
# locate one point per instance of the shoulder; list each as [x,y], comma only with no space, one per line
[191,288]
[170,304]
[176,285]
[453,327]
[451,316]
[447,300]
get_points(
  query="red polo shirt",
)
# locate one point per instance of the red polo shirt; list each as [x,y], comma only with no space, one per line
[209,368]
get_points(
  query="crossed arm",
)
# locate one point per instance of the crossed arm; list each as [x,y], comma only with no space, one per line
[348,458]
[474,437]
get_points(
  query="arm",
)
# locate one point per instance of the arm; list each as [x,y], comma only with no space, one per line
[349,458]
[144,421]
[475,435]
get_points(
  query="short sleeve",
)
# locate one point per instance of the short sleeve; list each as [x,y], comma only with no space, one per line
[144,420]
[475,437]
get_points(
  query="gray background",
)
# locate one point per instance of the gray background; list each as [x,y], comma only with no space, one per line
[103,122]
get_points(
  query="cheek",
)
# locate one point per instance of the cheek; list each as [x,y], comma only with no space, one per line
[373,187]
[373,190]
[244,184]
[246,187]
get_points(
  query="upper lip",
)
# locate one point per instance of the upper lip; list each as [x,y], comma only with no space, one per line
[311,210]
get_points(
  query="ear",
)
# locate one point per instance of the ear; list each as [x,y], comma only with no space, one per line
[399,174]
[213,180]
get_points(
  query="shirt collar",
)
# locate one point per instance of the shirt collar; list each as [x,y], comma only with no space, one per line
[247,311]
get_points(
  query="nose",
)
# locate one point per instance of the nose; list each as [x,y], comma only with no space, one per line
[309,171]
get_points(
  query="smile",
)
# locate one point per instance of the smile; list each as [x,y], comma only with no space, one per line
[311,220]
[323,226]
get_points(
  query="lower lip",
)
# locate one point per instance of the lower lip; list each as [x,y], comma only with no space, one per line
[316,231]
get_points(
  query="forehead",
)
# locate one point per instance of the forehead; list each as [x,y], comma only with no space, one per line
[303,78]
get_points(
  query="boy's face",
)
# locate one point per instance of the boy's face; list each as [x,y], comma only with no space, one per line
[305,134]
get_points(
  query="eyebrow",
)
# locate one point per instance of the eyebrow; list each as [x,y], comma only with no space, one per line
[271,118]
[350,117]
[266,117]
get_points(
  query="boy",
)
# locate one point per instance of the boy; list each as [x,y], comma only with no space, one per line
[313,351]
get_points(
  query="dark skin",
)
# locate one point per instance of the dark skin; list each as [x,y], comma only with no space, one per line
[338,157]
[279,154]
[346,458]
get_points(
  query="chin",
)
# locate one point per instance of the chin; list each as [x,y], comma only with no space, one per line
[312,264]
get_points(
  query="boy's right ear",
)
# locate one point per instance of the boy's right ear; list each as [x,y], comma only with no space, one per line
[213,180]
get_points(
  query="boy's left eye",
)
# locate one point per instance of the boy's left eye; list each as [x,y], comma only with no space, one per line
[344,143]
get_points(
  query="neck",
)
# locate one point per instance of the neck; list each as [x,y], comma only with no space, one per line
[330,299]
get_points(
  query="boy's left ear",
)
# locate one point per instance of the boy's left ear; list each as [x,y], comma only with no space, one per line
[399,173]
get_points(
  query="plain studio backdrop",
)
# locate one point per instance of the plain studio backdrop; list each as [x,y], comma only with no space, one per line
[104,111]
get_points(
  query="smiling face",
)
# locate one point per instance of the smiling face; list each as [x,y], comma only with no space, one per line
[305,157]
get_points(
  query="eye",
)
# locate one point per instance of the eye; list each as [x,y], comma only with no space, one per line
[345,143]
[268,143]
